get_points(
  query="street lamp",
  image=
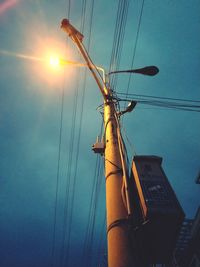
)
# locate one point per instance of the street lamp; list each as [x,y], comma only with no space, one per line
[118,206]
[149,70]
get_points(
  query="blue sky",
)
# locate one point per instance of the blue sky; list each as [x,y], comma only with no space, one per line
[30,118]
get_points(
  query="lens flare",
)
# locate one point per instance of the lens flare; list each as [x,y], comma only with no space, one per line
[7,4]
[21,56]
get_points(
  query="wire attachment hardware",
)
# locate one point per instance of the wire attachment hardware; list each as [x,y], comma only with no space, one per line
[99,146]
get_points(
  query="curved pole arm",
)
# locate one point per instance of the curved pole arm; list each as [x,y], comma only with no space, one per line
[77,38]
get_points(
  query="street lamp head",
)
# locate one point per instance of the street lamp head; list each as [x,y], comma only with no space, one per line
[54,61]
[149,70]
[129,108]
[71,30]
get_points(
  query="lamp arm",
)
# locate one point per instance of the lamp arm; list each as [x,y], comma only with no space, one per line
[73,34]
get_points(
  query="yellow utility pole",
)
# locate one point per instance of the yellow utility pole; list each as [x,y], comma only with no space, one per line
[118,206]
[118,236]
[120,252]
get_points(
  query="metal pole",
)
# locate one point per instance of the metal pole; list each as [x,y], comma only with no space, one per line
[120,253]
[118,236]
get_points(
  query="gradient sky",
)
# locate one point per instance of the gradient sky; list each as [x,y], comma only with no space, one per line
[30,118]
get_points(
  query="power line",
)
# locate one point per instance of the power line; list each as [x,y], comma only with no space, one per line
[89,222]
[69,172]
[135,48]
[189,108]
[167,104]
[135,45]
[58,164]
[89,234]
[159,97]
[57,179]
[101,240]
[93,214]
[69,209]
[120,26]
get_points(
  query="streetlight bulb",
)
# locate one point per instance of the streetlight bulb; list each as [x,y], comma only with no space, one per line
[54,61]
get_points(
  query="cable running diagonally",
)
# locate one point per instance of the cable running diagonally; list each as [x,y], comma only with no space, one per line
[120,26]
[53,256]
[74,178]
[69,171]
[101,242]
[57,180]
[58,165]
[96,200]
[88,227]
[159,97]
[89,234]
[97,181]
[178,105]
[135,45]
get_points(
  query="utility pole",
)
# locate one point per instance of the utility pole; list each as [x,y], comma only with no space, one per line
[120,252]
[118,236]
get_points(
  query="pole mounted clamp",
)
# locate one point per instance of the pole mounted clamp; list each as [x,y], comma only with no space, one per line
[118,223]
[99,147]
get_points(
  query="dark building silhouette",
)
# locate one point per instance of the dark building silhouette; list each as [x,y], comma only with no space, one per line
[187,251]
[157,212]
[183,239]
[198,178]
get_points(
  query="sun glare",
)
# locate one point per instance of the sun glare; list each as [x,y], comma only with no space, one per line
[54,61]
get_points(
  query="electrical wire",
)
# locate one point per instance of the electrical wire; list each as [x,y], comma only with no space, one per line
[120,26]
[58,167]
[69,174]
[118,35]
[88,227]
[101,240]
[135,46]
[73,187]
[158,97]
[57,180]
[171,105]
[95,205]
[123,156]
[74,183]
[89,234]
[69,184]
[133,152]
[164,102]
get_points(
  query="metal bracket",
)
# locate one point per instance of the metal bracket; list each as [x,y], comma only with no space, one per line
[98,147]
